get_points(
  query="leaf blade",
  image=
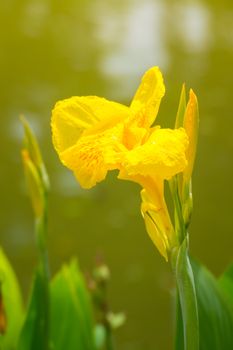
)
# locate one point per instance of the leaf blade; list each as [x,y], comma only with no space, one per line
[70,303]
[12,302]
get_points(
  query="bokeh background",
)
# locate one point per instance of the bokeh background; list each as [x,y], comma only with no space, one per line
[53,49]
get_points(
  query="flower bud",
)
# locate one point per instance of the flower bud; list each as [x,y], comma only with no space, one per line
[34,184]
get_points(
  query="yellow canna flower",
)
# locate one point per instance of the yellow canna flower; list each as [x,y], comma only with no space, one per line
[93,135]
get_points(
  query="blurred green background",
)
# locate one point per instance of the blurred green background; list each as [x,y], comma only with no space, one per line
[53,49]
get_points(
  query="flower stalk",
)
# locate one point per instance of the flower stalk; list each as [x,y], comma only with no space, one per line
[38,186]
[181,189]
[186,296]
[182,269]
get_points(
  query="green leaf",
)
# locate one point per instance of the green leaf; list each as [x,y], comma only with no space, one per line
[12,303]
[35,331]
[226,284]
[214,310]
[71,315]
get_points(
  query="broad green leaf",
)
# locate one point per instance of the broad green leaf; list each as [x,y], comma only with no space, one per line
[226,283]
[71,315]
[35,331]
[215,312]
[12,303]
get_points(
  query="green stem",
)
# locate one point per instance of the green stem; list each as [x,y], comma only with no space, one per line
[179,220]
[41,236]
[179,335]
[187,297]
[109,339]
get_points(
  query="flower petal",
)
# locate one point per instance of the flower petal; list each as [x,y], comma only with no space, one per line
[162,155]
[147,99]
[155,214]
[88,114]
[154,232]
[93,155]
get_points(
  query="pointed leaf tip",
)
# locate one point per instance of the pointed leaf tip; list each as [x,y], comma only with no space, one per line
[181,108]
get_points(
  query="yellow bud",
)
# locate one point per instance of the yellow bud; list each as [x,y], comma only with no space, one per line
[191,124]
[34,183]
[158,223]
[33,150]
[31,144]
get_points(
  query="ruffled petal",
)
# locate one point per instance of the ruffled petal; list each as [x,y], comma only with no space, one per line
[162,155]
[146,102]
[75,116]
[93,155]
